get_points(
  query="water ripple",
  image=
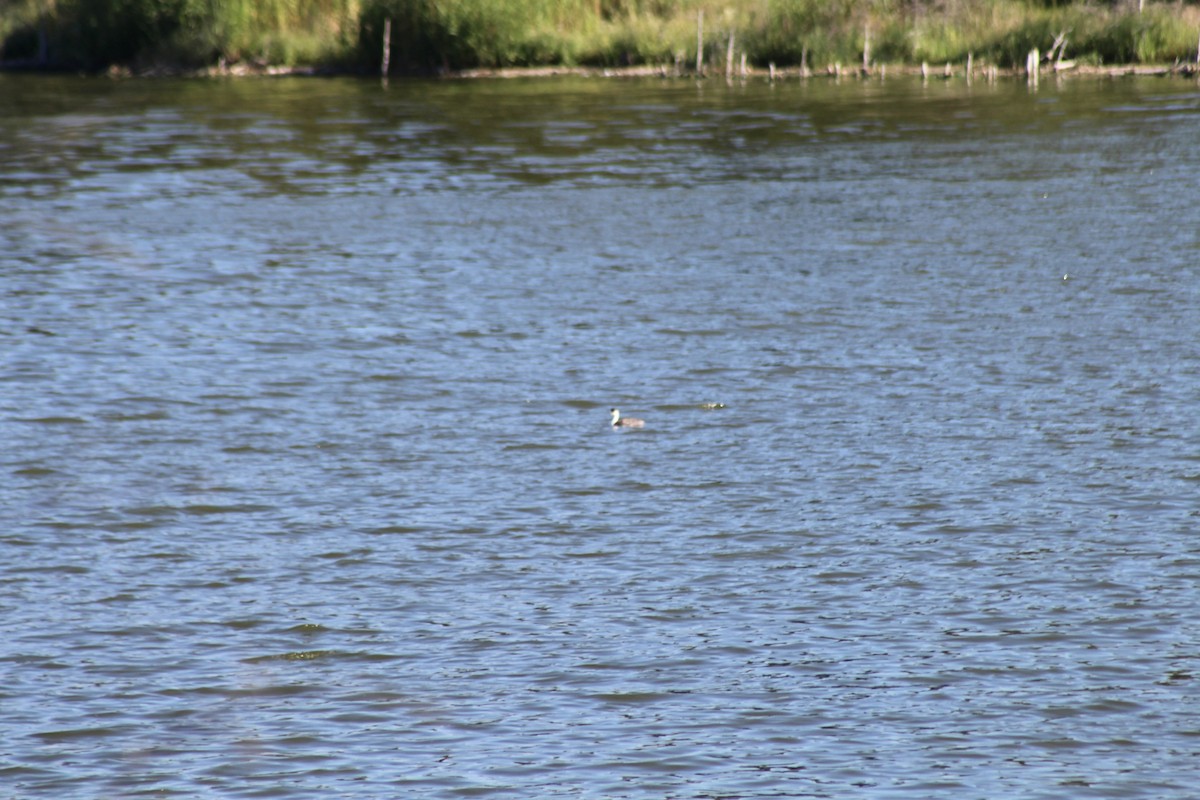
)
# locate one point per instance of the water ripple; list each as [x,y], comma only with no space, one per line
[312,491]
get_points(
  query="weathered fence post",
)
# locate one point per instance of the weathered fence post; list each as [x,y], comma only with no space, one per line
[729,59]
[700,42]
[1031,66]
[387,48]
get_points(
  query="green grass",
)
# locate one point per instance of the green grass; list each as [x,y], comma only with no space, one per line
[94,34]
[450,34]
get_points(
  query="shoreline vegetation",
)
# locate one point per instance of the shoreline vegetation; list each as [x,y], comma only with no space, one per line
[534,38]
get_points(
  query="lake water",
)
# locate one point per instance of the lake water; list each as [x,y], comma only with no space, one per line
[308,488]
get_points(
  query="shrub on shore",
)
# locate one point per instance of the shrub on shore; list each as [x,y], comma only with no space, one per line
[451,34]
[95,34]
[448,34]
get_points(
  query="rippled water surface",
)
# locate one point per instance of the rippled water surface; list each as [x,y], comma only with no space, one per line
[308,488]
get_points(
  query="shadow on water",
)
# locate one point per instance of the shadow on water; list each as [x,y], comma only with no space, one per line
[293,135]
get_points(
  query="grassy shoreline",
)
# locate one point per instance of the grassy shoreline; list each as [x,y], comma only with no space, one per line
[880,73]
[945,71]
[617,37]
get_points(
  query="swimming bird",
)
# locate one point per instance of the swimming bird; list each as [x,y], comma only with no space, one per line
[625,422]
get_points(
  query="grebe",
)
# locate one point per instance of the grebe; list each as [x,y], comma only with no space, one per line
[625,422]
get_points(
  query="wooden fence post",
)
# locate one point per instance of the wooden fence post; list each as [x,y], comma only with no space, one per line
[387,48]
[866,49]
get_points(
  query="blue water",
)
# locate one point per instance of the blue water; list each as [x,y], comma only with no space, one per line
[308,488]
